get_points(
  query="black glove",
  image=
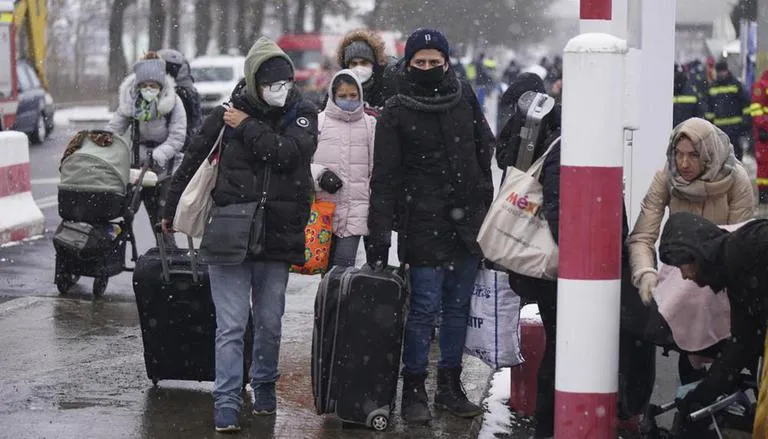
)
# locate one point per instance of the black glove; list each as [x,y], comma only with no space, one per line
[762,135]
[377,256]
[330,182]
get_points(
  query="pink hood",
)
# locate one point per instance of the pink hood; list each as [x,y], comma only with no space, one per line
[345,146]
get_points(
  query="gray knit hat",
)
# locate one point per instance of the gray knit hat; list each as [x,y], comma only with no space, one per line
[358,49]
[149,70]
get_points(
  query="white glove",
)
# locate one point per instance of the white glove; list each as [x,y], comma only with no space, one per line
[159,158]
[647,283]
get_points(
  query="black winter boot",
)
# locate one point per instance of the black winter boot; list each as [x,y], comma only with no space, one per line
[415,405]
[450,394]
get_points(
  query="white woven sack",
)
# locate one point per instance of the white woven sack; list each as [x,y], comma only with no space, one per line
[493,327]
[196,200]
[515,233]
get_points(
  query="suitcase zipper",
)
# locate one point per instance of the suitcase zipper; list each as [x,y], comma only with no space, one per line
[319,345]
[342,288]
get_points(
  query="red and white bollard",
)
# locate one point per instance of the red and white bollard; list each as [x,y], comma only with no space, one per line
[589,286]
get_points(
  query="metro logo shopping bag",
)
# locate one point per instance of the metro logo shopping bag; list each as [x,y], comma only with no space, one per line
[515,233]
[317,239]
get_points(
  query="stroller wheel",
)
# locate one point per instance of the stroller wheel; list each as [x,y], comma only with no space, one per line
[66,281]
[100,285]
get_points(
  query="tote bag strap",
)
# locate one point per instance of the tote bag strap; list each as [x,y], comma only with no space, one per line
[535,169]
[217,143]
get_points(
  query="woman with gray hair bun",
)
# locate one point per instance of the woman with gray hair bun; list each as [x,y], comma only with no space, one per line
[150,112]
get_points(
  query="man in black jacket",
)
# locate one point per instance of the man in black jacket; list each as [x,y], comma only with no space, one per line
[432,160]
[727,106]
[685,103]
[269,130]
[736,261]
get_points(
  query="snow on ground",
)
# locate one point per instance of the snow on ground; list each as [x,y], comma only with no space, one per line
[96,112]
[497,417]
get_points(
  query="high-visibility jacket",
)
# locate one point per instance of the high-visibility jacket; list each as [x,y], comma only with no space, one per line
[685,106]
[471,72]
[728,107]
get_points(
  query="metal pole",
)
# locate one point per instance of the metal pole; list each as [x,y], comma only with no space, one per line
[589,284]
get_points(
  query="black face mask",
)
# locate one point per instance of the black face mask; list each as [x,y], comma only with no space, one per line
[426,77]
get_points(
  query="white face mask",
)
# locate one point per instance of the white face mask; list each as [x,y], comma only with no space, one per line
[363,73]
[274,98]
[149,94]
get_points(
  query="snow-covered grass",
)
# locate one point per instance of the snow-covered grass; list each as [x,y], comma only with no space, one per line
[497,418]
[96,112]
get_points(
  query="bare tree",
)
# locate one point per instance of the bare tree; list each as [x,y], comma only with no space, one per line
[374,17]
[225,29]
[322,7]
[117,63]
[250,23]
[202,26]
[284,7]
[174,37]
[301,15]
[156,24]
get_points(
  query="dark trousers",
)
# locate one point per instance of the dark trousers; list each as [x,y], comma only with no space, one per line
[545,395]
[154,201]
[544,293]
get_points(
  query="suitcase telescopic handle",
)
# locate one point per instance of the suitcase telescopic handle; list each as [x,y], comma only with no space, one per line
[164,260]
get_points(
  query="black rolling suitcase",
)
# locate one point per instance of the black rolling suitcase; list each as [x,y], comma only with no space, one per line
[356,344]
[177,315]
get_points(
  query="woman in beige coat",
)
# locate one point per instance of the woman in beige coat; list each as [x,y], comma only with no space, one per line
[702,176]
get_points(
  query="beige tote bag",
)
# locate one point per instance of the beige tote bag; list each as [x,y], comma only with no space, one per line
[196,200]
[515,234]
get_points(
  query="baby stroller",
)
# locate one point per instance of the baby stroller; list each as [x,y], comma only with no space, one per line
[97,201]
[735,411]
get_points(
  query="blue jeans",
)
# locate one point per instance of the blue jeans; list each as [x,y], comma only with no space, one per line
[234,289]
[433,288]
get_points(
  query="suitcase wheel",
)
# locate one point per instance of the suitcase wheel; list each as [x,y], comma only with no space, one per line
[100,285]
[65,281]
[379,422]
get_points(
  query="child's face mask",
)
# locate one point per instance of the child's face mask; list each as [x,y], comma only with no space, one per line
[348,104]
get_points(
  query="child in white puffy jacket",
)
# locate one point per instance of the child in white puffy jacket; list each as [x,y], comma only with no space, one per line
[343,163]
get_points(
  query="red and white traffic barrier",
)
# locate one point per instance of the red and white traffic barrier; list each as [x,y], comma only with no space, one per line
[589,283]
[20,217]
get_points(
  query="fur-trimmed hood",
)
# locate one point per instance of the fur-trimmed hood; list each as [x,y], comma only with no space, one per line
[366,36]
[129,93]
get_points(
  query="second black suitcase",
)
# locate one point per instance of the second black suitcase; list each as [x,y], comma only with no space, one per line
[177,315]
[357,343]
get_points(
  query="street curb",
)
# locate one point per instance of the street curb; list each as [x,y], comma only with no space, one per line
[477,422]
[17,304]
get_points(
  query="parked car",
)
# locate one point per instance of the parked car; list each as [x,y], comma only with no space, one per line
[34,115]
[215,78]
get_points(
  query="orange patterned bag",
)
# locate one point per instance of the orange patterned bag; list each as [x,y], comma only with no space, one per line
[317,239]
